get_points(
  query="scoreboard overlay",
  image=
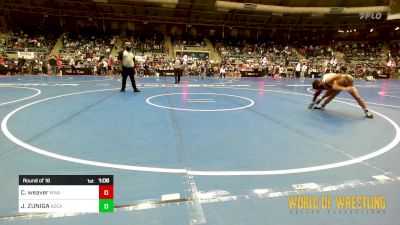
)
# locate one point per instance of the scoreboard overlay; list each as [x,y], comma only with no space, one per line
[66,193]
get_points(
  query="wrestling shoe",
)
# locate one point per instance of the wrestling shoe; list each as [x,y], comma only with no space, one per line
[368,114]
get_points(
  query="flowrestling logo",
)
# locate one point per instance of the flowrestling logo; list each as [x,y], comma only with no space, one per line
[373,16]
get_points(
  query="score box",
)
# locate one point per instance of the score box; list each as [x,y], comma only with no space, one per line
[106,198]
[66,194]
[106,192]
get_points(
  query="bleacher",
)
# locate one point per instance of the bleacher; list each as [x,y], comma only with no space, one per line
[88,44]
[24,42]
[91,48]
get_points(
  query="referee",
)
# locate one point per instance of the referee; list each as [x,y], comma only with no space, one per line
[177,70]
[128,66]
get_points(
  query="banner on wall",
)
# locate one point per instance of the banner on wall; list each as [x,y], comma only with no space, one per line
[26,55]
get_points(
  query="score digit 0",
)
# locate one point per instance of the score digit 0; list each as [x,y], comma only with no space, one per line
[106,192]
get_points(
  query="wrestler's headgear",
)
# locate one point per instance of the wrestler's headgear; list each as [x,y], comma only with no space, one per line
[317,84]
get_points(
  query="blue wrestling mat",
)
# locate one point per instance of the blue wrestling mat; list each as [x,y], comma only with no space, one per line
[229,151]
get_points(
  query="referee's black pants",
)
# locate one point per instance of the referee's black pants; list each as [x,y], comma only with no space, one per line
[126,71]
[177,75]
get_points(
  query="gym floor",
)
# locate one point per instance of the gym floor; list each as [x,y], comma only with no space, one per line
[233,150]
